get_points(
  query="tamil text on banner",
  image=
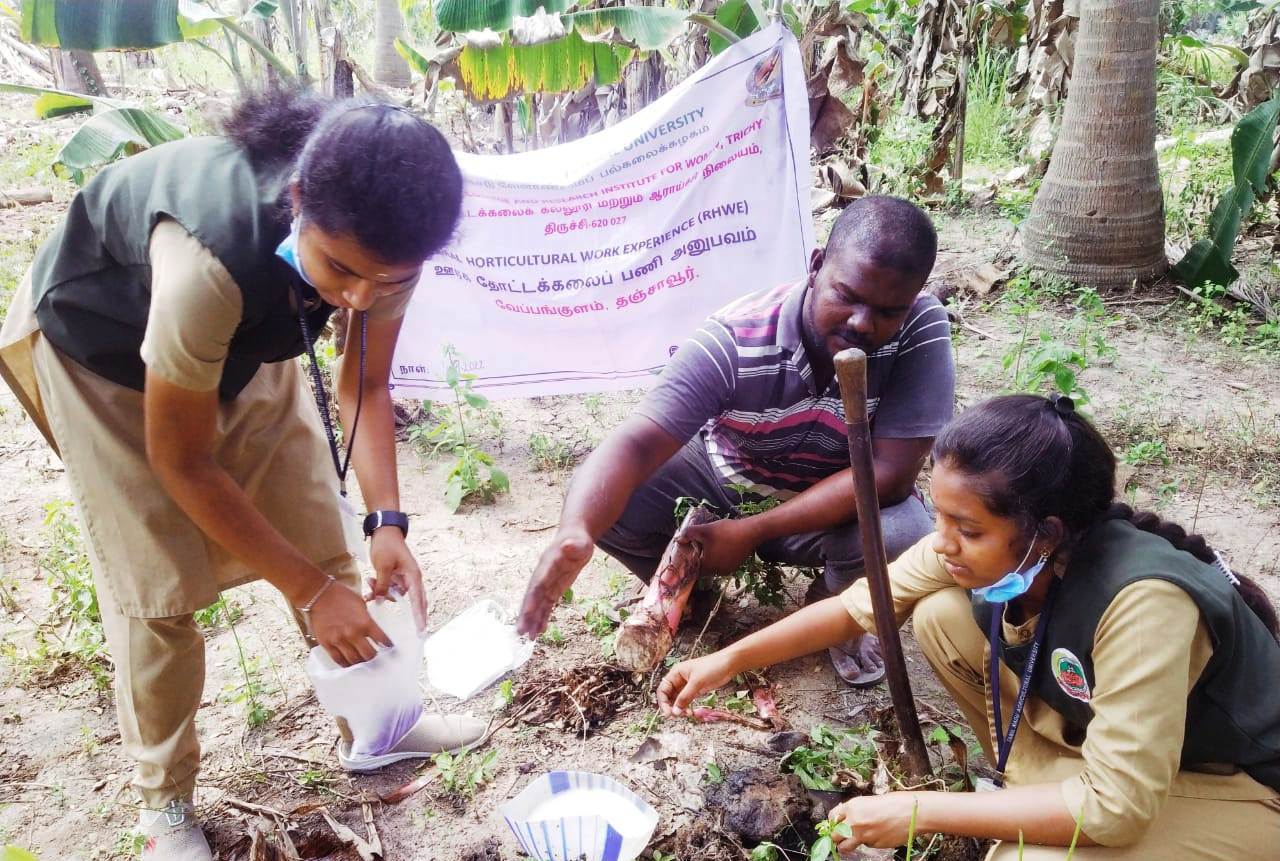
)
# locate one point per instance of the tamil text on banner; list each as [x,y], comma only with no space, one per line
[582,267]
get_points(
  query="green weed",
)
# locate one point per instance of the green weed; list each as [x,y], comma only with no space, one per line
[833,759]
[898,149]
[550,455]
[129,843]
[646,725]
[251,691]
[1147,451]
[987,118]
[221,613]
[463,774]
[713,775]
[829,836]
[552,636]
[505,695]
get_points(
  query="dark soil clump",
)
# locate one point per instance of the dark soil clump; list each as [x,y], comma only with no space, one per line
[759,804]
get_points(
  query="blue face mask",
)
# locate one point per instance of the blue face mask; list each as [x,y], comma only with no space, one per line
[287,250]
[1014,583]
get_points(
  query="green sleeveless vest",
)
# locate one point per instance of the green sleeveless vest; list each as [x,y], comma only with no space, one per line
[1233,711]
[92,277]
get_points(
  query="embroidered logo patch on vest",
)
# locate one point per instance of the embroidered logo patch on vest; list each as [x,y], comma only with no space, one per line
[1069,674]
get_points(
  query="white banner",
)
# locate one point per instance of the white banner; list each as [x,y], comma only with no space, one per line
[581,268]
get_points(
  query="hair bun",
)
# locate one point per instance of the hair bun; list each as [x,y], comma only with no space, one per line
[1063,405]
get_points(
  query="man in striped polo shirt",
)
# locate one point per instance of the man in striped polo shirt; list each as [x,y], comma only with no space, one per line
[749,408]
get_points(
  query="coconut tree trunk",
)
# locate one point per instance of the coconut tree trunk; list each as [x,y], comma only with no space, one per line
[1099,216]
[389,68]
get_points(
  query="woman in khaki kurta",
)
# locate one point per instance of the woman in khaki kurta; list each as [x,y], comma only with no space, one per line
[187,485]
[1023,478]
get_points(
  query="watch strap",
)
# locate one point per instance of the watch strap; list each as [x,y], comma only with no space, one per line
[378,519]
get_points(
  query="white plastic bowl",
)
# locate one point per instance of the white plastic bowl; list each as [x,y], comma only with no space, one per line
[568,815]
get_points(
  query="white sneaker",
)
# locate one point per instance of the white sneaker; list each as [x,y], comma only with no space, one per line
[173,834]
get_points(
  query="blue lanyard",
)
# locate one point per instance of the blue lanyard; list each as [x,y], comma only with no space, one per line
[340,465]
[1004,743]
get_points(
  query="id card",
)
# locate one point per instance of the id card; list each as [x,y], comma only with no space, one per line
[353,531]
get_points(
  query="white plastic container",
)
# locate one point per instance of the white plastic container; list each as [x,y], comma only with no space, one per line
[379,698]
[473,650]
[568,815]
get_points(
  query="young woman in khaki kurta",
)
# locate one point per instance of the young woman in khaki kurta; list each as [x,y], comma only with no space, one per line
[1146,776]
[193,447]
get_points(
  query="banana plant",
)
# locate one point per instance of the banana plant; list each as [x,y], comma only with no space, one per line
[116,129]
[1208,261]
[551,46]
[132,26]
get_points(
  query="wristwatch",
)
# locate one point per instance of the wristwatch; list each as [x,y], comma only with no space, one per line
[376,519]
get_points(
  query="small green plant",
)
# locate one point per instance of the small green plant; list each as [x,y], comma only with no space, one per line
[75,599]
[1147,451]
[659,855]
[474,473]
[829,836]
[713,775]
[767,852]
[552,636]
[506,694]
[129,843]
[549,455]
[219,614]
[252,689]
[1047,366]
[314,778]
[647,725]
[602,621]
[463,774]
[739,702]
[833,759]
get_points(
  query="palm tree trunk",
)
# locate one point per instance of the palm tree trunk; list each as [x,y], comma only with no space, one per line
[1099,215]
[389,68]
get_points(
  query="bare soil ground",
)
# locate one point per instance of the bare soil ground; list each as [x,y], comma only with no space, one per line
[63,775]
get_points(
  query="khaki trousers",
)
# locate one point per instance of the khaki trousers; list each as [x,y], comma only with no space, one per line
[159,682]
[1186,829]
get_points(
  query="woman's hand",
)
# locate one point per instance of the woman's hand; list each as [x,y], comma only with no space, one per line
[689,680]
[341,624]
[396,568]
[878,821]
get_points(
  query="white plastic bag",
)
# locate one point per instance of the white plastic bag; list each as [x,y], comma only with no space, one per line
[474,650]
[379,698]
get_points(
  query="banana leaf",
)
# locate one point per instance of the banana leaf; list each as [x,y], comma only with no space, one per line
[101,26]
[111,135]
[649,28]
[108,25]
[739,16]
[461,16]
[1208,261]
[55,103]
[558,66]
[416,60]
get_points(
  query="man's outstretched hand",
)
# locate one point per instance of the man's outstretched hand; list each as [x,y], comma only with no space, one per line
[557,568]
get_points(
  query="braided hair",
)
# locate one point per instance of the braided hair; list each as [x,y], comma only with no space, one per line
[1032,458]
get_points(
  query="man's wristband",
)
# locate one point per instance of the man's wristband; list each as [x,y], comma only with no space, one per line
[378,519]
